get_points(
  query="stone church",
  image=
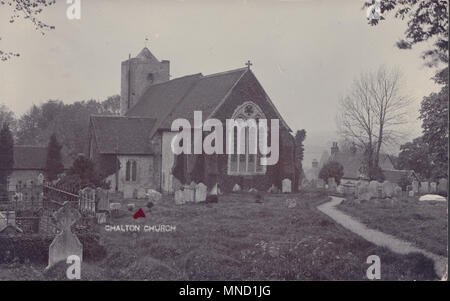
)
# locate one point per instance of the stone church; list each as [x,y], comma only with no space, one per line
[133,151]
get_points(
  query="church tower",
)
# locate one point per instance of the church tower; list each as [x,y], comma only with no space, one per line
[137,74]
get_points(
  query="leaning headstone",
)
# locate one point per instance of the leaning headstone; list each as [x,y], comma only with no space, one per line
[443,185]
[65,243]
[236,188]
[424,187]
[286,186]
[388,189]
[415,186]
[179,197]
[200,192]
[433,187]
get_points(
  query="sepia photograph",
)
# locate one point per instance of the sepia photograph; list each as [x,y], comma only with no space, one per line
[190,141]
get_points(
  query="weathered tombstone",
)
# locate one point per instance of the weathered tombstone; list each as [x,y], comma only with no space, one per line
[252,190]
[424,187]
[366,196]
[398,191]
[131,206]
[443,185]
[102,198]
[65,243]
[362,187]
[200,192]
[40,179]
[115,206]
[388,189]
[286,186]
[291,203]
[340,189]
[128,192]
[141,193]
[153,195]
[331,184]
[179,197]
[411,193]
[101,218]
[320,183]
[433,187]
[189,194]
[415,186]
[236,188]
[373,188]
[273,189]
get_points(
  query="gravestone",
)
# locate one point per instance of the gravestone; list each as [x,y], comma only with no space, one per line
[411,193]
[320,183]
[141,193]
[128,192]
[65,242]
[179,197]
[153,195]
[433,187]
[366,196]
[332,184]
[200,192]
[388,189]
[443,185]
[252,190]
[131,206]
[102,198]
[286,186]
[340,189]
[115,206]
[424,187]
[273,189]
[398,191]
[361,187]
[189,194]
[415,186]
[373,188]
[101,218]
[40,179]
[236,188]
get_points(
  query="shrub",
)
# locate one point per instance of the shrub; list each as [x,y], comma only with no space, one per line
[332,169]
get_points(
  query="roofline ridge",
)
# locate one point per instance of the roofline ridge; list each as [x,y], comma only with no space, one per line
[225,72]
[29,145]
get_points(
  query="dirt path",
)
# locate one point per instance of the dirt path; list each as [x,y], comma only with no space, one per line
[379,238]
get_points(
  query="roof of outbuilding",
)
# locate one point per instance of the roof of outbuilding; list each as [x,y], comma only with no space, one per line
[123,134]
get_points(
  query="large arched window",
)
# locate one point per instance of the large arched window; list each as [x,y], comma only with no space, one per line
[247,163]
[131,171]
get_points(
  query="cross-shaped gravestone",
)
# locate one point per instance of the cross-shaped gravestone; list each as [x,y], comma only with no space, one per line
[65,242]
[248,64]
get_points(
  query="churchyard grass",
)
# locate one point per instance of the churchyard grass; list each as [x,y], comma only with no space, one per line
[237,239]
[421,223]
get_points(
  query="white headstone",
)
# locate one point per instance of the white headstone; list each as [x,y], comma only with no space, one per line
[291,203]
[153,195]
[340,189]
[273,189]
[179,197]
[411,193]
[424,187]
[40,179]
[252,190]
[115,206]
[236,188]
[189,194]
[286,186]
[433,187]
[200,192]
[388,189]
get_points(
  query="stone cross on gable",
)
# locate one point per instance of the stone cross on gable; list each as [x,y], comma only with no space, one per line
[248,64]
[146,41]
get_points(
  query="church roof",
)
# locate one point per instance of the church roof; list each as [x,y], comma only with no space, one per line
[146,54]
[180,97]
[123,135]
[27,157]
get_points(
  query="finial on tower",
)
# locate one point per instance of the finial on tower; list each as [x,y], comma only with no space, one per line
[146,41]
[248,64]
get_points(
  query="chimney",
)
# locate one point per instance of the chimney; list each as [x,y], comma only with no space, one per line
[334,149]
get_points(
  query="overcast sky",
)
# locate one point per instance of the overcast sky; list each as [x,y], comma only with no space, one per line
[305,53]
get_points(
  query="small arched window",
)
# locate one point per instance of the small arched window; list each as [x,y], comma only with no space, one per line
[131,171]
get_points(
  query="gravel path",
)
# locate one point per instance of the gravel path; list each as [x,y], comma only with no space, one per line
[379,238]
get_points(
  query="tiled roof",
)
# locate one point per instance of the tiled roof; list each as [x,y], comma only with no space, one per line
[351,162]
[123,135]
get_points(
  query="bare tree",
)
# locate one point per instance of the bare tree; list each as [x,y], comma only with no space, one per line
[371,114]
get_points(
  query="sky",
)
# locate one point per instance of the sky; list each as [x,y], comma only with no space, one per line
[305,53]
